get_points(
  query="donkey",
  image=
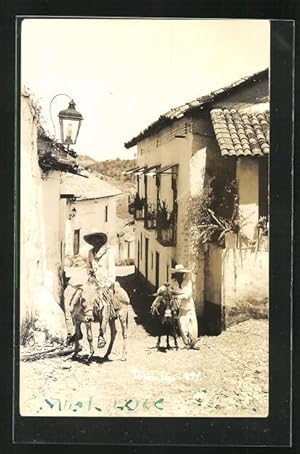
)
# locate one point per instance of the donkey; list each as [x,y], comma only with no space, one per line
[88,307]
[167,308]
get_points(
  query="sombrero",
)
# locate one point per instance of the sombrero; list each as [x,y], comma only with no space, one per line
[93,238]
[180,269]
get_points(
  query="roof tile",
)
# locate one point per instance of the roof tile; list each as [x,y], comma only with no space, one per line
[241,133]
[198,103]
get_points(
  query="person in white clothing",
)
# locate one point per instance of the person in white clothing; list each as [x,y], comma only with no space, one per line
[102,273]
[101,260]
[187,321]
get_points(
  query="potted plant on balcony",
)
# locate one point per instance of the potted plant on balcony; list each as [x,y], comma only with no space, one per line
[131,205]
[151,217]
[139,206]
[162,220]
[166,221]
[136,206]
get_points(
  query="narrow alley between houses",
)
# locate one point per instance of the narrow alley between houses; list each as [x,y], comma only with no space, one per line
[227,376]
[165,224]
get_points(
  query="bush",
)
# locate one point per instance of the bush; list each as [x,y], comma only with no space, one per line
[212,213]
[27,328]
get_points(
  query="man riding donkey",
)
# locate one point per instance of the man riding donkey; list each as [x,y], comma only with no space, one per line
[181,283]
[102,274]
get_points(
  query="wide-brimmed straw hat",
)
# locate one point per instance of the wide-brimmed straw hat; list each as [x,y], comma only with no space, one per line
[180,269]
[93,238]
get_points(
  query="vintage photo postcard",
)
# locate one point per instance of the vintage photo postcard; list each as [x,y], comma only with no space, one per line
[144,218]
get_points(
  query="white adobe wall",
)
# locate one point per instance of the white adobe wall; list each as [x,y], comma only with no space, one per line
[90,217]
[238,281]
[245,284]
[247,173]
[40,248]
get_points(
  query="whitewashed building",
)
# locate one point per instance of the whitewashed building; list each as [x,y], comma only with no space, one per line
[224,136]
[42,221]
[92,208]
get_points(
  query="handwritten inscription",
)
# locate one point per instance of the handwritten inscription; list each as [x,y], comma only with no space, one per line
[127,405]
[65,405]
[133,404]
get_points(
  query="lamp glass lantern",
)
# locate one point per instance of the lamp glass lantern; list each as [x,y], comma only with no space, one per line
[70,121]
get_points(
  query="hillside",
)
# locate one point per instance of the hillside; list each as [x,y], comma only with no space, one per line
[113,168]
[85,161]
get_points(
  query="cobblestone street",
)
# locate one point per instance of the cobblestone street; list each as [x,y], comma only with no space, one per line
[228,376]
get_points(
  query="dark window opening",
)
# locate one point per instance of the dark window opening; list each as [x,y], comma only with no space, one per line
[106,213]
[263,187]
[157,269]
[146,257]
[76,244]
[224,191]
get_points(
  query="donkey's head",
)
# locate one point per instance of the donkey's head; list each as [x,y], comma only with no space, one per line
[168,309]
[88,302]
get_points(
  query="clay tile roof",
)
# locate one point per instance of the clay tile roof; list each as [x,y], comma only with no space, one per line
[195,104]
[241,133]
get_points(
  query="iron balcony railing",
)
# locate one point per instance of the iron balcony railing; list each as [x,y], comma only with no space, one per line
[136,207]
[150,216]
[166,226]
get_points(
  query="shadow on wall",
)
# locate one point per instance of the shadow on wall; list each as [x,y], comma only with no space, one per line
[211,324]
[141,300]
[214,320]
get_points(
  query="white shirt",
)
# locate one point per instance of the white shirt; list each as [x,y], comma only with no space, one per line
[103,265]
[186,297]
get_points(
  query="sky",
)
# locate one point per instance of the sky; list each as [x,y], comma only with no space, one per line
[124,73]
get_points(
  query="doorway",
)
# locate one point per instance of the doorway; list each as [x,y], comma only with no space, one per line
[138,255]
[157,270]
[76,242]
[146,257]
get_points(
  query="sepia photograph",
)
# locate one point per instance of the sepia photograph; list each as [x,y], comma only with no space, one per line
[144,217]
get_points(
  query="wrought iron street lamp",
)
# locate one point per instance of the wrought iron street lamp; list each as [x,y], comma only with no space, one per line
[69,120]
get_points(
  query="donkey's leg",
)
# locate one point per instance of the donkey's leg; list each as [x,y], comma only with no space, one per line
[89,336]
[78,335]
[103,320]
[113,333]
[168,342]
[123,315]
[158,341]
[174,335]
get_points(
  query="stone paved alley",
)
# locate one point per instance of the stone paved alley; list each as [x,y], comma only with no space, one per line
[228,376]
